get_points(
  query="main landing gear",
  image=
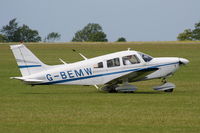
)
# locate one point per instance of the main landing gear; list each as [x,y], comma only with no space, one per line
[128,88]
[166,86]
[125,88]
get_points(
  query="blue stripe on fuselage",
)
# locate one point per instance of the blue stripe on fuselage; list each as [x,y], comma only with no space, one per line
[105,74]
[27,66]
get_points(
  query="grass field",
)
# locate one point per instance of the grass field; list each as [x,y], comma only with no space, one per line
[79,109]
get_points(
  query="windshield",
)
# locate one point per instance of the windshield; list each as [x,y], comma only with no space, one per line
[145,57]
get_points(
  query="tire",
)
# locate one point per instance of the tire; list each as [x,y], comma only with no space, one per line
[169,90]
[112,89]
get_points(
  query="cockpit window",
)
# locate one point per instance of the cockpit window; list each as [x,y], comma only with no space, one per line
[145,57]
[130,59]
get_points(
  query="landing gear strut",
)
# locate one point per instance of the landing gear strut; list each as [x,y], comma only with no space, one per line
[164,80]
[166,86]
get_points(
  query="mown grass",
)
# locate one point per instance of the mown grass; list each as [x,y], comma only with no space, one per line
[61,109]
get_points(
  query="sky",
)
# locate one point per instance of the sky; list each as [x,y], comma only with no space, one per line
[136,20]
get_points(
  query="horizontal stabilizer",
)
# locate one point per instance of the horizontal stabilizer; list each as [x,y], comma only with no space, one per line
[27,80]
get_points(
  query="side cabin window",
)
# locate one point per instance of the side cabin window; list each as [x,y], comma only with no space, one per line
[113,62]
[130,59]
[98,65]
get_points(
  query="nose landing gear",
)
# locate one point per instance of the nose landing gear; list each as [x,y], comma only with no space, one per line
[166,86]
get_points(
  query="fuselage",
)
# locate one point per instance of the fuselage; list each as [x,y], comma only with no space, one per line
[102,69]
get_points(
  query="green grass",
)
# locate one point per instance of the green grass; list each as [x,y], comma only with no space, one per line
[61,109]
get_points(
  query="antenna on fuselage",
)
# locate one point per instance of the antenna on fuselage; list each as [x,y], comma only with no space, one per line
[62,61]
[129,49]
[85,58]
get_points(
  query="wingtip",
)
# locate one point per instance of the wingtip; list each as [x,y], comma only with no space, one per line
[16,46]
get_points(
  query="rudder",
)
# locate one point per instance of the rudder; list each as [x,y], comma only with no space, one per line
[27,62]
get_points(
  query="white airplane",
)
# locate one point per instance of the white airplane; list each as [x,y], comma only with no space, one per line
[114,71]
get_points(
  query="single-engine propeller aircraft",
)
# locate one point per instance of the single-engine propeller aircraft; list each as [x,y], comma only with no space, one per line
[114,70]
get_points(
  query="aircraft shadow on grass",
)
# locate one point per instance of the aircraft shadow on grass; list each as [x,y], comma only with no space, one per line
[93,92]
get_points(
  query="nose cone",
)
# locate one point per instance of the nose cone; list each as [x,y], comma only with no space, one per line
[183,61]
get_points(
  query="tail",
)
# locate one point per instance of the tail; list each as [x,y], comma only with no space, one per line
[27,62]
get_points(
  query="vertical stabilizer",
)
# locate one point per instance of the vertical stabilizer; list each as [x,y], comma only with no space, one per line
[27,62]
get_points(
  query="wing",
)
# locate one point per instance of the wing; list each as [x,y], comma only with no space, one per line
[134,76]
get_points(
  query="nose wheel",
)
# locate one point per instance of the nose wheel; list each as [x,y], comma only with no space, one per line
[166,86]
[169,90]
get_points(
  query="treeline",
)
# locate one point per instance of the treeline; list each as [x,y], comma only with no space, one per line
[92,32]
[12,32]
[189,34]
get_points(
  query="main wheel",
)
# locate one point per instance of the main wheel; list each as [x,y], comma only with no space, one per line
[112,89]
